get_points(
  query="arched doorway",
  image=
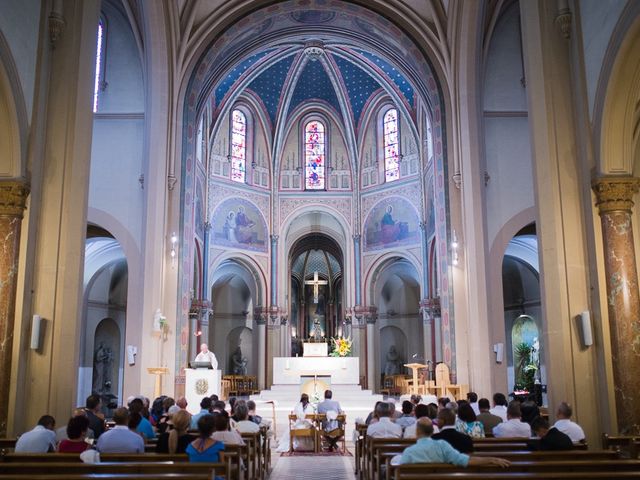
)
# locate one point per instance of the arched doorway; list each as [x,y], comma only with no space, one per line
[101,369]
[400,332]
[316,264]
[523,320]
[230,336]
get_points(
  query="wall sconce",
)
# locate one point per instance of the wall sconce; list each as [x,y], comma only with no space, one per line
[174,247]
[454,248]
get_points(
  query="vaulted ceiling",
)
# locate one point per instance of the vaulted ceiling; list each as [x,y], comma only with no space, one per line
[286,82]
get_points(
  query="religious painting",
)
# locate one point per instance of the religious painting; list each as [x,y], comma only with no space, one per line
[392,222]
[238,223]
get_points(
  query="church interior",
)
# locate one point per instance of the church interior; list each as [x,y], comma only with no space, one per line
[445,183]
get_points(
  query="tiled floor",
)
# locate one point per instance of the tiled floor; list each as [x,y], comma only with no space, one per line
[313,468]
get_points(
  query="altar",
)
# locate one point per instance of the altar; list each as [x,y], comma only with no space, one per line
[342,370]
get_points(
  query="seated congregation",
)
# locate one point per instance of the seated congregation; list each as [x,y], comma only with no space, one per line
[227,440]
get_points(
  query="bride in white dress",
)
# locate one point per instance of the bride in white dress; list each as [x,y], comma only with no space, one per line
[301,410]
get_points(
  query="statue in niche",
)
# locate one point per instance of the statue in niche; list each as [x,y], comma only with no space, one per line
[239,363]
[392,366]
[102,360]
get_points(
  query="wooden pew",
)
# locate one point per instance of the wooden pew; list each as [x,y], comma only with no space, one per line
[361,430]
[114,476]
[8,443]
[519,456]
[266,449]
[625,443]
[253,455]
[560,468]
[104,457]
[30,469]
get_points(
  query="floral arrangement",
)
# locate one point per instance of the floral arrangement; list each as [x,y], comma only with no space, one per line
[341,347]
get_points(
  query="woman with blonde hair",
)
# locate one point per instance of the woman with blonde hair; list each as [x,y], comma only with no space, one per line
[177,438]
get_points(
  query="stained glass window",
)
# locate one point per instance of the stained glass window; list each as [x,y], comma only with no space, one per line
[238,146]
[97,81]
[391,146]
[314,144]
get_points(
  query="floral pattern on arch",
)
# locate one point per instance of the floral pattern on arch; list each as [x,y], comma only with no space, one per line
[314,155]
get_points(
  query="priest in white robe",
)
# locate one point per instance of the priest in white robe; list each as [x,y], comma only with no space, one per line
[206,355]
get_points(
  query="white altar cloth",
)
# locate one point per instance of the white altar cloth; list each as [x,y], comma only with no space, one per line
[342,370]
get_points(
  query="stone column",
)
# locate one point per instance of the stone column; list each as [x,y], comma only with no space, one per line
[260,317]
[356,256]
[13,195]
[614,202]
[370,315]
[429,308]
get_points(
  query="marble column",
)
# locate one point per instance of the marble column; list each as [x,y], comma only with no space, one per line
[614,202]
[356,256]
[260,317]
[13,196]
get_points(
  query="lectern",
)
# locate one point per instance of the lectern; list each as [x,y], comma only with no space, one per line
[415,367]
[200,382]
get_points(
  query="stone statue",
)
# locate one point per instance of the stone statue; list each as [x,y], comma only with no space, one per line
[102,360]
[239,362]
[393,361]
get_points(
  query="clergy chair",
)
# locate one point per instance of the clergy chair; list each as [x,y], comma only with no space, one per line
[297,433]
[443,382]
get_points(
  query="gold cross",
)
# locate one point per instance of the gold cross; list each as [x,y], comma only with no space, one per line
[315,282]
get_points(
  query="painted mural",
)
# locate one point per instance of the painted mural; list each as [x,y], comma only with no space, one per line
[199,213]
[238,223]
[392,222]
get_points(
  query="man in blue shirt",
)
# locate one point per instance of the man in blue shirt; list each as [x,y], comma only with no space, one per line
[205,406]
[427,450]
[144,427]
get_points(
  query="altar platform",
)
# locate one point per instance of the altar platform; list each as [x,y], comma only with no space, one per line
[289,374]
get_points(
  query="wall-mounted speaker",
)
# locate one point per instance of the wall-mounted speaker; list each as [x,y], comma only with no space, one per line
[498,348]
[585,328]
[36,321]
[132,351]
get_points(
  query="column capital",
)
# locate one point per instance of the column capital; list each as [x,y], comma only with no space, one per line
[356,237]
[13,197]
[274,238]
[615,193]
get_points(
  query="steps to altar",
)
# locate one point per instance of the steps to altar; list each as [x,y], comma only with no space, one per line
[355,402]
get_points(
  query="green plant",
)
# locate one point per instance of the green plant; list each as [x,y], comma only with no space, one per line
[525,369]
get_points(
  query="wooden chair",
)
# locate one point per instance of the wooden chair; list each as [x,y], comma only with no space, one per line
[311,432]
[333,436]
[444,386]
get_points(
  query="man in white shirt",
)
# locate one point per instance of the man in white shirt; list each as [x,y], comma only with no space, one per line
[41,439]
[206,356]
[514,427]
[566,426]
[421,411]
[499,406]
[384,427]
[120,439]
[472,398]
[243,424]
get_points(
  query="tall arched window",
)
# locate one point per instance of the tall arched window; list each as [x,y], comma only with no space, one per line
[238,146]
[98,84]
[391,145]
[315,150]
